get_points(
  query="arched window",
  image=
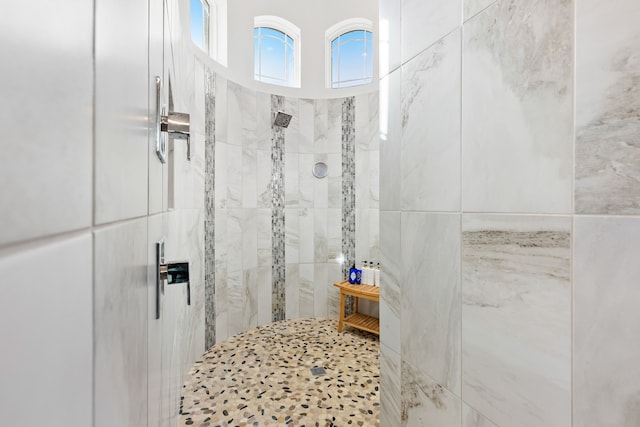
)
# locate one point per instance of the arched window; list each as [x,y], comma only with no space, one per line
[209,27]
[276,51]
[349,53]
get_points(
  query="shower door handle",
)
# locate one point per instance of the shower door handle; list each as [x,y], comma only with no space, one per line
[174,125]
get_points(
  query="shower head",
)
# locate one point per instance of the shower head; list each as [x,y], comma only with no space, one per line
[282,119]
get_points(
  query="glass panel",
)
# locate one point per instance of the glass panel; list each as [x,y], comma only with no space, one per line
[197,19]
[256,54]
[369,62]
[272,56]
[290,67]
[270,32]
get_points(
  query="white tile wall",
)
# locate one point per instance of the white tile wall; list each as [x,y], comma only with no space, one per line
[47,89]
[47,333]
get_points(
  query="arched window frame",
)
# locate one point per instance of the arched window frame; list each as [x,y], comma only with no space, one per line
[343,27]
[215,30]
[291,30]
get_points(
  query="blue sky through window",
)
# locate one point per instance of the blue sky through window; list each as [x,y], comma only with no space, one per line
[352,59]
[198,30]
[273,56]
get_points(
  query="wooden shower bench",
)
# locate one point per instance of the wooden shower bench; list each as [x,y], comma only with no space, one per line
[358,320]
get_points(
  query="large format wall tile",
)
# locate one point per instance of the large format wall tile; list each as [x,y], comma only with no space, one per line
[389,36]
[517,108]
[121,110]
[424,22]
[431,128]
[47,335]
[473,7]
[431,281]
[391,278]
[390,393]
[607,105]
[390,190]
[606,322]
[516,316]
[46,81]
[472,418]
[425,403]
[120,305]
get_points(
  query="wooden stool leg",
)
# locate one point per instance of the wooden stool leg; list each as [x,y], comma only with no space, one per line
[341,318]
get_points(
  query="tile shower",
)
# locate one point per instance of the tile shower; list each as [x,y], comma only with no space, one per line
[510,132]
[278,232]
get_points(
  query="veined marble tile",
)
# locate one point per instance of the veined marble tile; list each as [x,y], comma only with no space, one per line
[249,227]
[263,121]
[222,116]
[234,243]
[431,266]
[120,326]
[306,123]
[292,133]
[373,98]
[390,393]
[236,300]
[250,298]
[362,236]
[425,22]
[264,236]
[334,126]
[263,174]
[334,234]
[334,178]
[320,126]
[390,139]
[250,177]
[47,335]
[517,108]
[292,291]
[473,7]
[431,128]
[234,114]
[292,235]
[390,277]
[306,180]
[307,235]
[425,403]
[221,170]
[320,282]
[472,418]
[320,185]
[606,380]
[291,179]
[46,167]
[234,176]
[264,300]
[320,235]
[374,179]
[607,104]
[362,178]
[516,315]
[334,271]
[306,290]
[389,36]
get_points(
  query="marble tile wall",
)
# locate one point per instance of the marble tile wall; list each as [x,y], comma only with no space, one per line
[301,245]
[607,104]
[88,200]
[518,213]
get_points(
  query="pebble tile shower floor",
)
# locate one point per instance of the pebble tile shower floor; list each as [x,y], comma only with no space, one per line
[263,377]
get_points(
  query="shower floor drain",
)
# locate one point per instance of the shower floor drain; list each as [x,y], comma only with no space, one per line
[317,371]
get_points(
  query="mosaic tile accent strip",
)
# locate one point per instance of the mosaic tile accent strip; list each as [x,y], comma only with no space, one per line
[209,205]
[263,377]
[278,267]
[348,189]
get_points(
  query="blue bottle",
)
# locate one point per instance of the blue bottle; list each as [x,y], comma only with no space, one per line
[355,275]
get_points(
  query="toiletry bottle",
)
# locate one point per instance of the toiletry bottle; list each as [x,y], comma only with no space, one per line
[376,280]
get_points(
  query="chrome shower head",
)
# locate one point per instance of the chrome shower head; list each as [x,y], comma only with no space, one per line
[282,119]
